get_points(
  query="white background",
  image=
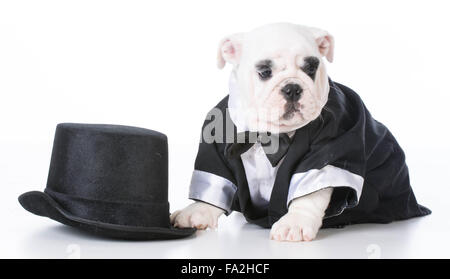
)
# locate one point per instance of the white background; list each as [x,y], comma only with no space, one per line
[152,64]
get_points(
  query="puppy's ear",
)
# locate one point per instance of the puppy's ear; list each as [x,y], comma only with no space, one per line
[325,42]
[229,50]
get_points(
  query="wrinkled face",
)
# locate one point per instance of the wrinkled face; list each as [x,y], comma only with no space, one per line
[281,78]
[281,89]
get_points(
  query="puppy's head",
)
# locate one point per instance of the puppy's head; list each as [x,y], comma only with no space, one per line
[281,80]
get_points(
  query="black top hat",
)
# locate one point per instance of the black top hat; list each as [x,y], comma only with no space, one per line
[110,180]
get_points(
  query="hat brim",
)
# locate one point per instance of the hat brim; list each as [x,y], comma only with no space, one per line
[42,204]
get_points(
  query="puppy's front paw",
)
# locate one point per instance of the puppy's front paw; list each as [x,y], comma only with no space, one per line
[295,226]
[198,215]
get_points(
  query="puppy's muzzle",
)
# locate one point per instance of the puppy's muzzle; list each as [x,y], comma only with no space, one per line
[291,92]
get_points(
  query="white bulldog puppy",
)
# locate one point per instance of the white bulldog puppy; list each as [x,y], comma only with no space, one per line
[278,84]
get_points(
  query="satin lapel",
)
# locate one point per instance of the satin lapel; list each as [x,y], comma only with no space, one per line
[278,199]
[237,167]
[242,184]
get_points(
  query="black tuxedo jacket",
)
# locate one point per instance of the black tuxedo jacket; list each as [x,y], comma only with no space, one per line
[344,136]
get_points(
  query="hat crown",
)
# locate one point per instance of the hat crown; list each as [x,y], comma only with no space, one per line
[109,163]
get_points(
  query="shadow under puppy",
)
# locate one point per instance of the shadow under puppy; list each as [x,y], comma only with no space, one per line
[291,149]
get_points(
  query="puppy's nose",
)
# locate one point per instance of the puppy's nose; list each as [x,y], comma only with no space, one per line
[292,92]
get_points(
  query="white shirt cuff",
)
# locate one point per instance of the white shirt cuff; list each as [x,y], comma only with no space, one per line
[305,183]
[212,189]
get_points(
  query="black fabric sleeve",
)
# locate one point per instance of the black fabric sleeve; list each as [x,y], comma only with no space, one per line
[213,181]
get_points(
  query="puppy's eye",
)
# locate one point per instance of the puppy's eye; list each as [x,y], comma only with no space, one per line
[265,74]
[311,65]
